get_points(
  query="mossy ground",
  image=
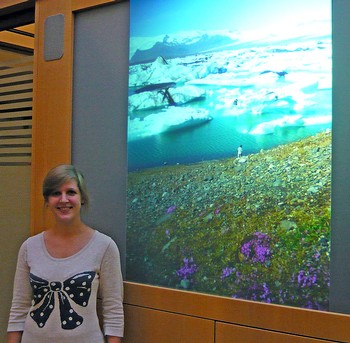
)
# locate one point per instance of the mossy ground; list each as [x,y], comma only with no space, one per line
[256,228]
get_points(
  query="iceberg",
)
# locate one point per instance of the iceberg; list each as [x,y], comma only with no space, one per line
[269,127]
[161,95]
[189,119]
[159,71]
[171,119]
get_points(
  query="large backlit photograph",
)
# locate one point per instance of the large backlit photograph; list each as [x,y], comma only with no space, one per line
[229,148]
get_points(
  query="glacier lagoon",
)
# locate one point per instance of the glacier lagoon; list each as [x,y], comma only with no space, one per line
[258,95]
[197,226]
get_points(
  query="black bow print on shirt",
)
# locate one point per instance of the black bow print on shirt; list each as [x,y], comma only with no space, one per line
[77,288]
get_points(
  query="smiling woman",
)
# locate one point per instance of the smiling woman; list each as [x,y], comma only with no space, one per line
[65,191]
[73,262]
[60,175]
[65,204]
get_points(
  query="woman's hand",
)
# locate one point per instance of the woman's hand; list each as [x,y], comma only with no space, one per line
[113,339]
[15,337]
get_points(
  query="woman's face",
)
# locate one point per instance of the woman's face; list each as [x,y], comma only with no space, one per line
[65,202]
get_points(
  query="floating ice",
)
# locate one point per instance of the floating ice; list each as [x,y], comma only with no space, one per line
[160,98]
[271,80]
[159,71]
[289,121]
[319,120]
[169,119]
[270,126]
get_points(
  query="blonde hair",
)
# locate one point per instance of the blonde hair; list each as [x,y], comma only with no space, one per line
[61,174]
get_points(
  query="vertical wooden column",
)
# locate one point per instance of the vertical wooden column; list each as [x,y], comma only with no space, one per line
[52,110]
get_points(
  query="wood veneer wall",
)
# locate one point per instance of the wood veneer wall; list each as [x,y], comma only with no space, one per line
[52,110]
[154,314]
[16,83]
[53,101]
[15,39]
[259,321]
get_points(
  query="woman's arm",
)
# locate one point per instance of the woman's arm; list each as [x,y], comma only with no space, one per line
[111,294]
[112,339]
[21,300]
[15,337]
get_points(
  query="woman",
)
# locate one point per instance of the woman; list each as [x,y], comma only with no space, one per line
[62,273]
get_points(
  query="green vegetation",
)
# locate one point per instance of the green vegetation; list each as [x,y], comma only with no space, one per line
[256,229]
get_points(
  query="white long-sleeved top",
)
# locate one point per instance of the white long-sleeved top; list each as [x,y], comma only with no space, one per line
[55,299]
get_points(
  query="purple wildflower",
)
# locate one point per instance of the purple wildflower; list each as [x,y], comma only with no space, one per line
[256,292]
[265,296]
[171,209]
[307,279]
[313,305]
[187,270]
[226,272]
[258,248]
[217,211]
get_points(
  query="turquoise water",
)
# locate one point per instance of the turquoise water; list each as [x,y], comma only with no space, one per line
[219,138]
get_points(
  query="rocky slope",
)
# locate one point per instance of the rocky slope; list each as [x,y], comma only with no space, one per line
[289,176]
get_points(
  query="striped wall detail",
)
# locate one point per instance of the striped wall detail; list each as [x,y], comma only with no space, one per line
[16,101]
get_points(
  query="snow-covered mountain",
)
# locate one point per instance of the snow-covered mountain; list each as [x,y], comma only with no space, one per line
[186,43]
[143,50]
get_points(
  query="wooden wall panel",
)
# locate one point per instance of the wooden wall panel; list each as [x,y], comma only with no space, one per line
[30,29]
[14,223]
[16,39]
[318,324]
[228,333]
[147,325]
[52,110]
[16,84]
